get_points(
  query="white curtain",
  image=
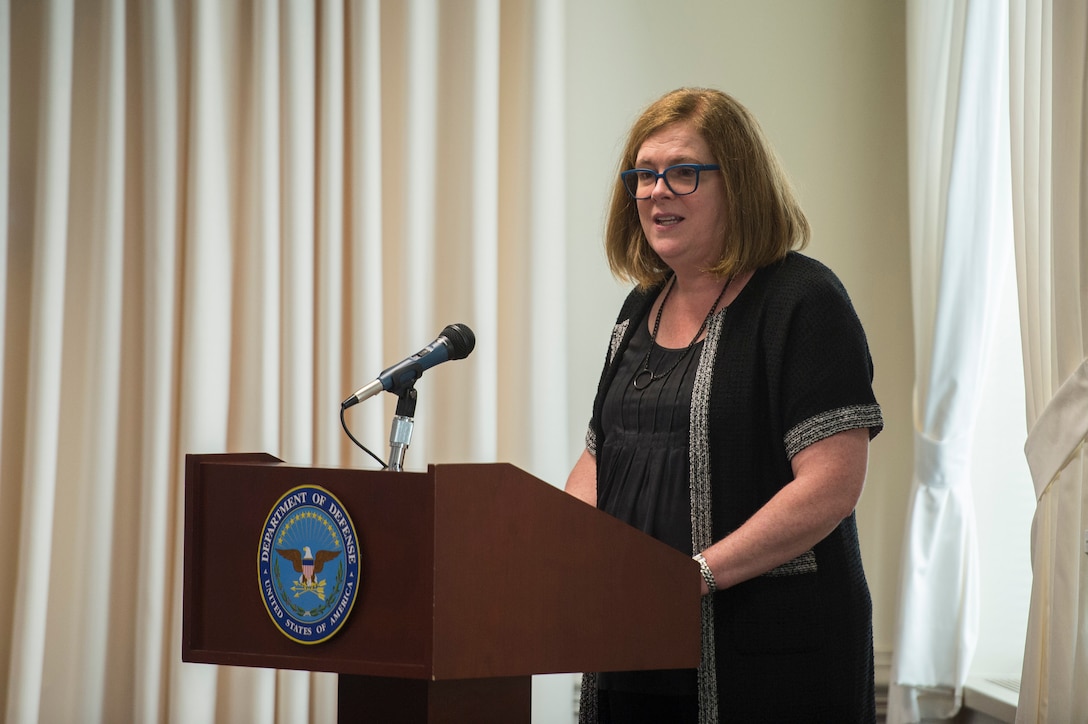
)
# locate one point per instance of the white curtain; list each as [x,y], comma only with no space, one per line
[217,220]
[1049,92]
[960,244]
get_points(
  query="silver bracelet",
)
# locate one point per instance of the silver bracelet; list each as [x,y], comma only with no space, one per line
[708,575]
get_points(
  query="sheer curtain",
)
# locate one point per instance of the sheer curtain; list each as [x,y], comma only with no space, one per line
[218,220]
[1049,90]
[960,243]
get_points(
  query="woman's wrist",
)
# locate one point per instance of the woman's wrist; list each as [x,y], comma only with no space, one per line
[708,575]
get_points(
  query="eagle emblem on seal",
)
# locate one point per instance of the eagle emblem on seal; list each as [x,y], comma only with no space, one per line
[308,565]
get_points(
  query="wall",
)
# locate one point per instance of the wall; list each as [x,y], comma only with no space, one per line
[828,82]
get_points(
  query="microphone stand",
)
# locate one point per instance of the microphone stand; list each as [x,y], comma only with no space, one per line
[400,434]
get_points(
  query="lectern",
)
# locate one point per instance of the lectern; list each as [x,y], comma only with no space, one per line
[472,578]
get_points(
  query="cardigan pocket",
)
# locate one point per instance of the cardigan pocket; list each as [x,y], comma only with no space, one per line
[775,614]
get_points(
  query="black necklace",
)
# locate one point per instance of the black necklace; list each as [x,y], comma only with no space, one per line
[645,376]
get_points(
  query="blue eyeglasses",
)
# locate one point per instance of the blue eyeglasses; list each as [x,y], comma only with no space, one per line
[682,179]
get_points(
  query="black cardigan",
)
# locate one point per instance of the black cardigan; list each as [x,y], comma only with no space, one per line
[785,365]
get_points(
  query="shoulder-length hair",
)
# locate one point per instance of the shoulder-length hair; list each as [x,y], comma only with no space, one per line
[763,219]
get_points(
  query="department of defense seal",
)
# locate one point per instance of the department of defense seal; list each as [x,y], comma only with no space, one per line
[308,564]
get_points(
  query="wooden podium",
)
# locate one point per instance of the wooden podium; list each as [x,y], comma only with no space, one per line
[473,578]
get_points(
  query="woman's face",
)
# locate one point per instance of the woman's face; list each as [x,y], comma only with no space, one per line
[685,231]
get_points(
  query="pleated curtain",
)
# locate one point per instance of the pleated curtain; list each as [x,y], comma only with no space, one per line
[218,220]
[1049,90]
[1048,157]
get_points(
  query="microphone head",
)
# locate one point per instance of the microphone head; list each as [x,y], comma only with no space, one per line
[460,340]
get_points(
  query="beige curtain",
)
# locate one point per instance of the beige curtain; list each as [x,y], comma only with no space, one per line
[1049,92]
[219,219]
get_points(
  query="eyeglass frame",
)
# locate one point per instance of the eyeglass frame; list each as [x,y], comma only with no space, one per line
[698,167]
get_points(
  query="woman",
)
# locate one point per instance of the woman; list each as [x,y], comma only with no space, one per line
[732,422]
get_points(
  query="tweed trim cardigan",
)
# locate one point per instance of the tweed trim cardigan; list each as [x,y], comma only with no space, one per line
[784,366]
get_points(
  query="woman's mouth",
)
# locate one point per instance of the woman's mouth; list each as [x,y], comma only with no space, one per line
[667,219]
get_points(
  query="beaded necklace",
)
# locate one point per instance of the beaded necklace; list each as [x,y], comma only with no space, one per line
[645,376]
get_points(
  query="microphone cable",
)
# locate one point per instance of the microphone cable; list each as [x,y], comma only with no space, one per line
[364,448]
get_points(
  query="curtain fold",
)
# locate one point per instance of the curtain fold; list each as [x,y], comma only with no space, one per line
[43,261]
[1049,82]
[154,206]
[547,374]
[218,219]
[960,243]
[8,161]
[88,469]
[205,325]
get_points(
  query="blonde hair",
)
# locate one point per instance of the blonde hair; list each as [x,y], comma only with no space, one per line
[764,220]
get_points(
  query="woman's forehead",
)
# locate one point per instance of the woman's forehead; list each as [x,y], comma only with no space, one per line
[675,140]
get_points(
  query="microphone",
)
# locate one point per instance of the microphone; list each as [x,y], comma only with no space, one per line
[456,341]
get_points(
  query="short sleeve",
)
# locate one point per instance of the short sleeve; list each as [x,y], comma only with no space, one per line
[827,371]
[591,440]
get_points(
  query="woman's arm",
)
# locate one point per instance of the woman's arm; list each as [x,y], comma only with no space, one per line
[582,481]
[828,479]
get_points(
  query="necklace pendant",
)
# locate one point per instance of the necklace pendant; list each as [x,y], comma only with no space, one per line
[646,377]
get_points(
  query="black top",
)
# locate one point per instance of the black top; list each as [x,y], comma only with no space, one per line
[642,470]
